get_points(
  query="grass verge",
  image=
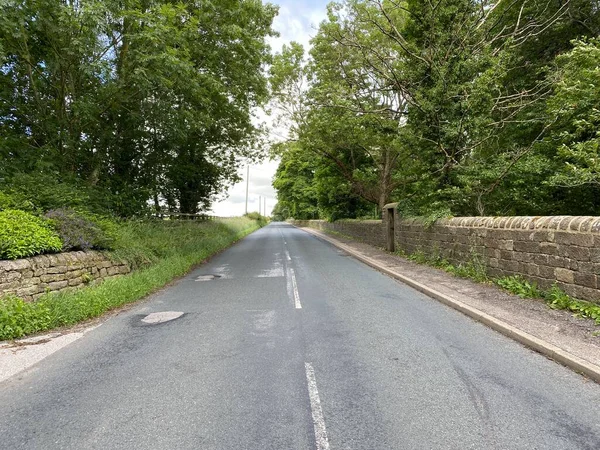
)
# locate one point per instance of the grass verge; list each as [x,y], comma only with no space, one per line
[159,251]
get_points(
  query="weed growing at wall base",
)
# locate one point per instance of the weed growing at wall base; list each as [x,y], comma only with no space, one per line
[555,298]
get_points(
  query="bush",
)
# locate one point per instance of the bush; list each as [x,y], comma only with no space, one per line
[79,232]
[13,201]
[46,191]
[22,234]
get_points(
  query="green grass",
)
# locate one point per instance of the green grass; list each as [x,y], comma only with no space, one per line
[160,251]
[474,269]
[554,297]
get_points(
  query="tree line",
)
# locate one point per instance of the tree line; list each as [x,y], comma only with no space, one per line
[119,104]
[452,107]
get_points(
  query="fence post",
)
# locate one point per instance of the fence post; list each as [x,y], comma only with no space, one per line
[390,221]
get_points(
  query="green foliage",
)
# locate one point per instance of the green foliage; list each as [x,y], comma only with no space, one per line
[22,234]
[130,101]
[45,191]
[557,299]
[260,219]
[576,106]
[12,201]
[517,285]
[470,108]
[19,318]
[473,269]
[78,232]
[167,250]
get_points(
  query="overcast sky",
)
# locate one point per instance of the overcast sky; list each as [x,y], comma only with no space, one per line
[297,21]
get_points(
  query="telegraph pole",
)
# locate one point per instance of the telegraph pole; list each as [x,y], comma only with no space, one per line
[247,182]
[259,203]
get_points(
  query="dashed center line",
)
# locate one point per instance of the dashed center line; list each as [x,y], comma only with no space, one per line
[315,406]
[295,289]
[287,255]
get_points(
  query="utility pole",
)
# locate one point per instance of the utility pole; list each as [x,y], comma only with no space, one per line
[247,182]
[259,203]
[265,208]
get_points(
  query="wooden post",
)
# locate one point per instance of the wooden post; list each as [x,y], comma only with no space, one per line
[390,221]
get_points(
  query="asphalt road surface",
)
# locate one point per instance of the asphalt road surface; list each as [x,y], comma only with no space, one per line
[295,345]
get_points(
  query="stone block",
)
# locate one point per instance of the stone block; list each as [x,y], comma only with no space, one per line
[586,279]
[28,291]
[540,236]
[582,292]
[526,246]
[564,275]
[17,264]
[6,287]
[52,278]
[577,253]
[9,277]
[57,285]
[579,239]
[549,248]
[76,281]
[595,255]
[57,269]
[531,269]
[509,265]
[557,261]
[546,272]
[112,271]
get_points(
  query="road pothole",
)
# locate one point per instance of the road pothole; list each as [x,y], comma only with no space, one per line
[208,277]
[161,317]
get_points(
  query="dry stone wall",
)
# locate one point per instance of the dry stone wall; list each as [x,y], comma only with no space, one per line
[547,250]
[30,278]
[369,231]
[559,249]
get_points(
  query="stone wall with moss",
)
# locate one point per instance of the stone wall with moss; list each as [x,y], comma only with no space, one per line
[30,278]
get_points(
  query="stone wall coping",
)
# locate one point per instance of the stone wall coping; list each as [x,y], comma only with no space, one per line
[580,224]
[53,259]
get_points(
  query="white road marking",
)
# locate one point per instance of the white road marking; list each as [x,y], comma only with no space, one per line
[160,317]
[295,290]
[315,406]
[287,255]
[24,353]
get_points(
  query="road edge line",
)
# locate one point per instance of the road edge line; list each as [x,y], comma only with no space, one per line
[555,353]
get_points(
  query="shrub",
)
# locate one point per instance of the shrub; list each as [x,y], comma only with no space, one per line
[79,232]
[517,285]
[14,201]
[22,234]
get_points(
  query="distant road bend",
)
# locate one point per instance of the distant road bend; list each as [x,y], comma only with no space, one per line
[287,343]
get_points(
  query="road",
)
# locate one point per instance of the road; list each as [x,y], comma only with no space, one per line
[296,346]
